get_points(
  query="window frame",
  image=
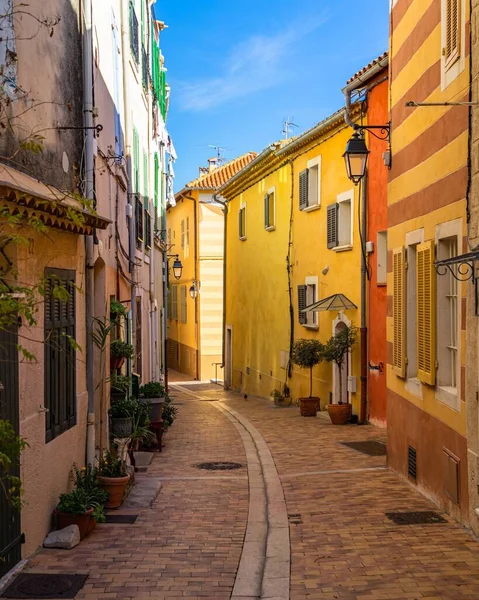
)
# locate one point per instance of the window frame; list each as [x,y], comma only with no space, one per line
[312,282]
[242,223]
[314,163]
[454,65]
[340,199]
[447,394]
[271,193]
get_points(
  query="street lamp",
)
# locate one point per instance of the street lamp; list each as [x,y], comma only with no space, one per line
[177,266]
[194,289]
[356,153]
[356,158]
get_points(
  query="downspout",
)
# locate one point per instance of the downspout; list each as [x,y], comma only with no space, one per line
[164,227]
[289,268]
[363,329]
[364,324]
[131,217]
[89,194]
[223,336]
[197,321]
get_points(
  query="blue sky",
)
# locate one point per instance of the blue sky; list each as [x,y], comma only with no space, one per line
[237,68]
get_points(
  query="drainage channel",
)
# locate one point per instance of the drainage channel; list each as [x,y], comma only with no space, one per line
[265,564]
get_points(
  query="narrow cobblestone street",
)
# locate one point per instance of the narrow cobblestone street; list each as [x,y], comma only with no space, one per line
[190,543]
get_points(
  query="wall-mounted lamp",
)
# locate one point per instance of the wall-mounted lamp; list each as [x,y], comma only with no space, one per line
[177,266]
[356,153]
[194,289]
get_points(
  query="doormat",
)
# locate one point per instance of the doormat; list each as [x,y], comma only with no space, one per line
[218,466]
[427,517]
[369,447]
[41,585]
[125,519]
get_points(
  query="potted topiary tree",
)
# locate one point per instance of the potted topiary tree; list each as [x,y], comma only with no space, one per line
[113,477]
[307,354]
[336,350]
[119,351]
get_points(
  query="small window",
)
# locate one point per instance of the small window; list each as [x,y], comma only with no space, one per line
[382,258]
[344,223]
[310,185]
[242,223]
[139,222]
[270,210]
[147,222]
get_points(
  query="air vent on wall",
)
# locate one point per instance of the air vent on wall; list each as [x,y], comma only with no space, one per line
[412,463]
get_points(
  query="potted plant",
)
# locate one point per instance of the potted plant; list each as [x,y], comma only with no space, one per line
[336,350]
[170,413]
[119,351]
[113,477]
[117,311]
[121,417]
[307,354]
[79,507]
[119,386]
[154,394]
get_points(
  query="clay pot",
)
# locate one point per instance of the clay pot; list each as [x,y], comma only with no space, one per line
[85,522]
[339,413]
[308,407]
[115,487]
[116,362]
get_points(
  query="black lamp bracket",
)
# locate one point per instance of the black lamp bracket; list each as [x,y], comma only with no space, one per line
[462,268]
[384,131]
[97,128]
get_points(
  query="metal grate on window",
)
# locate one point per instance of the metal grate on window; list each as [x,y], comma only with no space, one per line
[412,463]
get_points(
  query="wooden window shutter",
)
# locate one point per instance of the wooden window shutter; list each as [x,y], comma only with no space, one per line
[332,225]
[453,31]
[399,312]
[182,234]
[303,189]
[174,302]
[266,211]
[426,313]
[241,225]
[183,306]
[302,304]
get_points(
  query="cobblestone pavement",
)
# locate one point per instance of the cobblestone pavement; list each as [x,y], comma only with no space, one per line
[189,543]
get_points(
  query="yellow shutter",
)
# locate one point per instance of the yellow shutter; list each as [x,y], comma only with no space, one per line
[399,312]
[426,313]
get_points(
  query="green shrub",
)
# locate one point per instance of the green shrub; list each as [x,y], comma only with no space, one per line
[307,354]
[153,389]
[120,349]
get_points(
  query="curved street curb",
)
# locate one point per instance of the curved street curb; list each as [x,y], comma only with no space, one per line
[265,564]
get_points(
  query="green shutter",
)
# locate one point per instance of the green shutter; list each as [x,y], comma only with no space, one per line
[136,162]
[157,176]
[145,175]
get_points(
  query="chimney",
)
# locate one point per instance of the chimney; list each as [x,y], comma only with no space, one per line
[212,164]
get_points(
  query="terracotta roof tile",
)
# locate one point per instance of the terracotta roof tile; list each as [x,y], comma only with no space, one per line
[222,174]
[367,67]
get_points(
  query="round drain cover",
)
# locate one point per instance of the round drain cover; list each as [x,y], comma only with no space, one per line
[219,466]
[44,585]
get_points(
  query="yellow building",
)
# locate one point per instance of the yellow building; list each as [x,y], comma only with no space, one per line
[280,259]
[195,232]
[429,58]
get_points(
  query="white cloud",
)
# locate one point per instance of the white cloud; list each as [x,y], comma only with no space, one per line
[253,65]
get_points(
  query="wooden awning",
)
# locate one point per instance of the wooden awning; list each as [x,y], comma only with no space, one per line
[28,197]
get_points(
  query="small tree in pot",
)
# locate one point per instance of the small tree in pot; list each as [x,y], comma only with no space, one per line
[336,350]
[307,354]
[119,351]
[154,394]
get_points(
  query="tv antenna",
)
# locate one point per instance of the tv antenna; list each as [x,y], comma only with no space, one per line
[220,159]
[288,124]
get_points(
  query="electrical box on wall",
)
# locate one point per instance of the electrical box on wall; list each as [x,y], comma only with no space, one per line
[351,384]
[369,247]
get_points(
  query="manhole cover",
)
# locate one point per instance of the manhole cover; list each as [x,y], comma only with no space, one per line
[415,518]
[39,585]
[126,519]
[219,466]
[370,447]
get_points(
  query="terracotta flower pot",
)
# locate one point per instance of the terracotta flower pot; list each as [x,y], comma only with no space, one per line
[85,522]
[115,487]
[339,413]
[116,362]
[308,407]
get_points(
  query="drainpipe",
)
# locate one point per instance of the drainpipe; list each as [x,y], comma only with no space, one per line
[89,194]
[223,332]
[363,415]
[125,48]
[197,321]
[364,275]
